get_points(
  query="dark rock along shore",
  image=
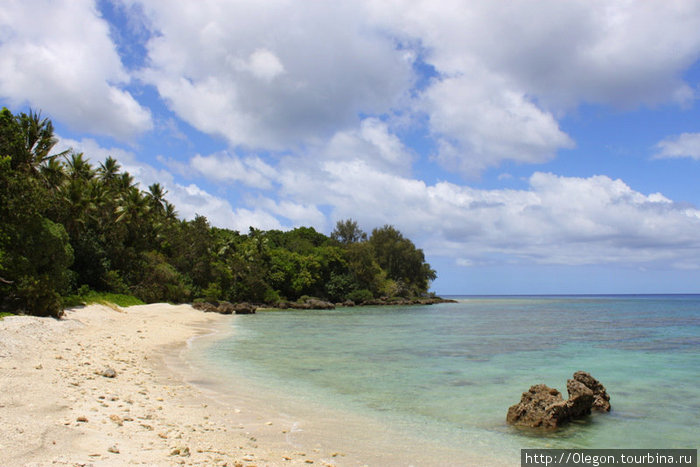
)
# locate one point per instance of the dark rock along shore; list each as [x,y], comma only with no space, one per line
[228,308]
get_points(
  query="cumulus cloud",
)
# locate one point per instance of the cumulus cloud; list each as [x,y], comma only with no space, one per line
[58,56]
[480,123]
[223,167]
[374,143]
[557,220]
[620,53]
[258,74]
[191,200]
[506,73]
[264,64]
[685,145]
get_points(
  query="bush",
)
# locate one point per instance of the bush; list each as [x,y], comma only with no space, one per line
[271,296]
[359,296]
[160,282]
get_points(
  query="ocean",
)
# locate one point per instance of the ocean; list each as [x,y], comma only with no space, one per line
[448,373]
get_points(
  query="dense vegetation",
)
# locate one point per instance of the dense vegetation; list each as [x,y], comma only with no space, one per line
[69,227]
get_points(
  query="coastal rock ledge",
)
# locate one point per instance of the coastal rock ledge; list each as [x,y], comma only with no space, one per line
[544,407]
[225,308]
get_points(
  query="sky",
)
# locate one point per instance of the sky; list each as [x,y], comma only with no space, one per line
[528,147]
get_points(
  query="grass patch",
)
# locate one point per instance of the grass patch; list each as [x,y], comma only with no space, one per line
[4,313]
[101,298]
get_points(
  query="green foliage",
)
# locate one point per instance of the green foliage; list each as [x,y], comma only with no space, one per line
[88,297]
[348,232]
[359,296]
[159,281]
[34,251]
[68,228]
[340,286]
[403,262]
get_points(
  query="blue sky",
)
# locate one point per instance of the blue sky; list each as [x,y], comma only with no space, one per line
[527,147]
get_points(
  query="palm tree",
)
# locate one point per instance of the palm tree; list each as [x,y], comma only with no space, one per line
[170,212]
[125,182]
[78,167]
[37,139]
[109,170]
[53,171]
[156,196]
[132,205]
[79,207]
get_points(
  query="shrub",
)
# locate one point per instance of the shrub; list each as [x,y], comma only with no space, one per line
[359,296]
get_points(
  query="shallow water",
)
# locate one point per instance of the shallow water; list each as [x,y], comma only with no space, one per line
[449,372]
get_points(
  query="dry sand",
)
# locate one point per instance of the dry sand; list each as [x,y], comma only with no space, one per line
[56,408]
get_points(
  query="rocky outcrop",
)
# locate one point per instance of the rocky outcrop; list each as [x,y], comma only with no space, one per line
[225,308]
[308,304]
[601,399]
[316,304]
[400,301]
[580,399]
[544,407]
[539,407]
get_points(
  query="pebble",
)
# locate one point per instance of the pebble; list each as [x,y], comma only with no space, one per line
[181,451]
[81,419]
[108,373]
[113,449]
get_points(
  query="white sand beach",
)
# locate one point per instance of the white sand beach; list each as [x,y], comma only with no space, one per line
[57,409]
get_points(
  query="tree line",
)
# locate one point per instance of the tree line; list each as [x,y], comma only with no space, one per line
[68,226]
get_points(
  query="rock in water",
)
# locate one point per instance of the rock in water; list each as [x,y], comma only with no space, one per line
[544,407]
[225,308]
[245,309]
[580,399]
[539,407]
[601,399]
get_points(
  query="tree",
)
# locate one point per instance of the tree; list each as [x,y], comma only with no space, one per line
[348,232]
[34,252]
[27,139]
[403,262]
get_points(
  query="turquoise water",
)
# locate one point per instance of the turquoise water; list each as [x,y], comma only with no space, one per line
[449,372]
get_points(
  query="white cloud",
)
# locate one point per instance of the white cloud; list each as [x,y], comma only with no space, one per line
[265,65]
[191,200]
[257,73]
[611,52]
[373,143]
[480,123]
[57,56]
[306,215]
[558,220]
[224,167]
[685,145]
[506,73]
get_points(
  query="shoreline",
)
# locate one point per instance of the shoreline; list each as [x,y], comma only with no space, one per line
[162,408]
